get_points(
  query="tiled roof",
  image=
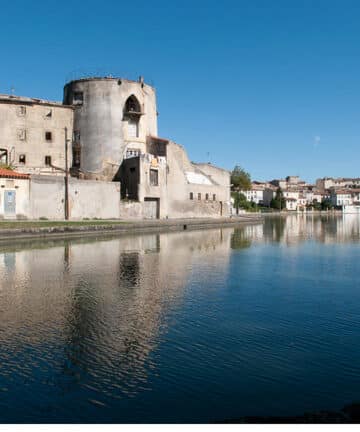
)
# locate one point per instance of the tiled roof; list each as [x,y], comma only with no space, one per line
[12,174]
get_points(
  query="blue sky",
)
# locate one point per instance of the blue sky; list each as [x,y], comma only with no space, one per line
[273,86]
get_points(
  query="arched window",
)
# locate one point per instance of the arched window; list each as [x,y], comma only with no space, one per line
[132,113]
[132,106]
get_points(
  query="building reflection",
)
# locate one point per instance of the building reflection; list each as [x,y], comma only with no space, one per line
[96,310]
[294,229]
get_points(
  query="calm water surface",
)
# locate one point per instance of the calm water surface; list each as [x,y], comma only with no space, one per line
[195,326]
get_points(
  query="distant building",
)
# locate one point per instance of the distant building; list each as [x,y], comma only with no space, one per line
[345,197]
[326,183]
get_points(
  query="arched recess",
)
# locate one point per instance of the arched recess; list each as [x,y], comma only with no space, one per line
[132,114]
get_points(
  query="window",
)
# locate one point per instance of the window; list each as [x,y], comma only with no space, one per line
[207,197]
[22,159]
[48,160]
[21,134]
[214,197]
[76,156]
[77,136]
[133,128]
[191,195]
[21,111]
[132,105]
[3,156]
[48,136]
[154,177]
[130,153]
[199,196]
[78,98]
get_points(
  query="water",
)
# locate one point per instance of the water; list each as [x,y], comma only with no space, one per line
[194,326]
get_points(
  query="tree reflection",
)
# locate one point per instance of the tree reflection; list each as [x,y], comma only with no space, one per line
[239,239]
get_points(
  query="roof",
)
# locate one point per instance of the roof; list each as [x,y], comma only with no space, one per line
[348,191]
[107,78]
[24,100]
[12,174]
[208,164]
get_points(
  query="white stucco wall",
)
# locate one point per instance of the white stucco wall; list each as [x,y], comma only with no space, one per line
[87,199]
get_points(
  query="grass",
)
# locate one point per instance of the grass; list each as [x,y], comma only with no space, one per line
[21,224]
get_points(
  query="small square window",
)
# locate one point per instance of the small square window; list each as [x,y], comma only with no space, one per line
[191,195]
[48,136]
[22,159]
[47,160]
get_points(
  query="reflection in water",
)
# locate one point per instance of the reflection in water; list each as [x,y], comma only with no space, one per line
[94,311]
[293,229]
[133,328]
[240,239]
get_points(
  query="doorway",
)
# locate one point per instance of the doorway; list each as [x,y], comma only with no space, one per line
[9,203]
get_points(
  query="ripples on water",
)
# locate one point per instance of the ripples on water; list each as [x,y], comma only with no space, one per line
[182,327]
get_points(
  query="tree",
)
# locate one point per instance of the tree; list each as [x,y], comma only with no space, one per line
[240,179]
[326,204]
[316,205]
[279,201]
[240,201]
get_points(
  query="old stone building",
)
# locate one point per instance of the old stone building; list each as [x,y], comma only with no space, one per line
[32,134]
[110,126]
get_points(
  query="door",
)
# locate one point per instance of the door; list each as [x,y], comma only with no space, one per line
[9,203]
[151,208]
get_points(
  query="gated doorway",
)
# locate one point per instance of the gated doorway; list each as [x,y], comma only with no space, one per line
[9,203]
[151,208]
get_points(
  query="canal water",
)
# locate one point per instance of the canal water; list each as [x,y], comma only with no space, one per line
[193,326]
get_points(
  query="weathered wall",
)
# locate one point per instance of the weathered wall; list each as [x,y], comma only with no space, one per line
[99,120]
[23,124]
[179,187]
[87,199]
[131,209]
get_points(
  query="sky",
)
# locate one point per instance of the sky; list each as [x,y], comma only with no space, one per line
[272,86]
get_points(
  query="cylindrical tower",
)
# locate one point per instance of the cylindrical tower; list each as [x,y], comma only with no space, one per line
[113,117]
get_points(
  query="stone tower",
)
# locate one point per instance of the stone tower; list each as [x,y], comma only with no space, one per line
[113,118]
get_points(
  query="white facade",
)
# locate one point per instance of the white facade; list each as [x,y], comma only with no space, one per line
[254,195]
[345,197]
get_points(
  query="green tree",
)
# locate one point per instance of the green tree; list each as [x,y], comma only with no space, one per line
[240,201]
[279,201]
[326,204]
[240,179]
[316,205]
